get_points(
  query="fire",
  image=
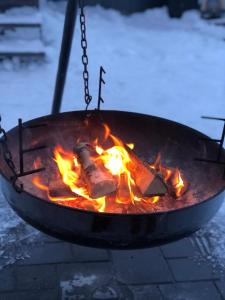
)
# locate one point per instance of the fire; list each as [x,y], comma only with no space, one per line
[171,176]
[178,183]
[131,146]
[118,162]
[70,171]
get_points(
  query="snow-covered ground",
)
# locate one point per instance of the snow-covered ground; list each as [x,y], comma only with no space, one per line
[155,65]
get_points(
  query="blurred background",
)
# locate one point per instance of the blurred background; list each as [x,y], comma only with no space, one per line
[175,7]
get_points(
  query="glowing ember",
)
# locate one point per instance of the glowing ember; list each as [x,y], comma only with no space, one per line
[118,162]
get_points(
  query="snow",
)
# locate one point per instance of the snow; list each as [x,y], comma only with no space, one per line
[24,13]
[16,237]
[78,281]
[10,19]
[155,65]
[35,47]
[71,289]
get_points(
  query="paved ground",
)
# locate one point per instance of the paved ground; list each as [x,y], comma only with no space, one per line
[58,270]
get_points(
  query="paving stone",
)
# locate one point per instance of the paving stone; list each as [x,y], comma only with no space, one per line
[87,289]
[49,239]
[49,253]
[101,270]
[146,292]
[221,286]
[141,266]
[185,269]
[190,291]
[182,248]
[90,281]
[36,277]
[7,280]
[82,254]
[113,290]
[31,295]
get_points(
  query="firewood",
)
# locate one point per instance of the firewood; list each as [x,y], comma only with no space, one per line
[173,181]
[123,193]
[147,180]
[58,189]
[99,181]
[170,176]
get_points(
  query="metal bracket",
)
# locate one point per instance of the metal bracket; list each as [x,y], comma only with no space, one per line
[9,159]
[101,81]
[7,154]
[220,141]
[24,151]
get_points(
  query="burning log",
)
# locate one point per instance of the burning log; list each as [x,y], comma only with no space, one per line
[176,183]
[123,192]
[99,182]
[58,189]
[147,180]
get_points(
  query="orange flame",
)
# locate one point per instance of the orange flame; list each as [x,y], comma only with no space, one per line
[70,171]
[119,164]
[117,160]
[178,183]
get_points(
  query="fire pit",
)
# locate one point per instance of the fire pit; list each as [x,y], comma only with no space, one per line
[110,178]
[153,222]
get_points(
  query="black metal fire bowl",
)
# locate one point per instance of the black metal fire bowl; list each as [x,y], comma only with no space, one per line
[179,145]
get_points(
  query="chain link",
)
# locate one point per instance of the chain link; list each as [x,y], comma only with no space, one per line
[88,97]
[9,159]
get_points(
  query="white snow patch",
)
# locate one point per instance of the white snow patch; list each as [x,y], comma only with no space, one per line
[78,281]
[71,288]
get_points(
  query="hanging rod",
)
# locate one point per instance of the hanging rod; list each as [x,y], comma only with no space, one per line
[67,40]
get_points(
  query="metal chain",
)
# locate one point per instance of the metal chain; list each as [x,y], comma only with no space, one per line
[9,159]
[88,97]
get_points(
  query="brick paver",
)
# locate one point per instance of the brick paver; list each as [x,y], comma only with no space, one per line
[85,254]
[188,269]
[7,280]
[102,271]
[149,292]
[31,295]
[36,277]
[179,249]
[50,253]
[221,287]
[141,267]
[190,291]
